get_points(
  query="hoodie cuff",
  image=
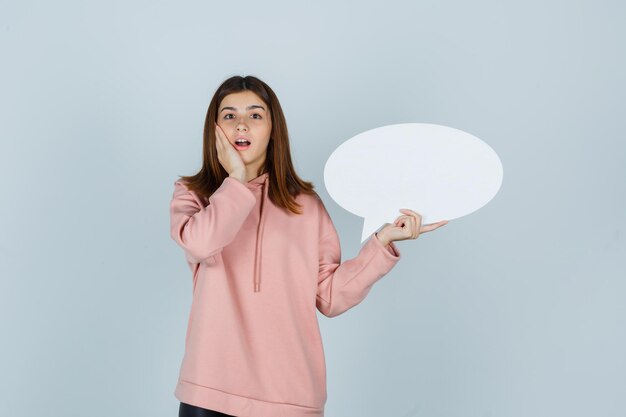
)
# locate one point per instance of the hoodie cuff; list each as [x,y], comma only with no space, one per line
[391,250]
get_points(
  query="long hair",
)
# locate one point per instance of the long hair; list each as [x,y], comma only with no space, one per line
[284,183]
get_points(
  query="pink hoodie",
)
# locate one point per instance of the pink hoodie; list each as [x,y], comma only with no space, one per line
[253,346]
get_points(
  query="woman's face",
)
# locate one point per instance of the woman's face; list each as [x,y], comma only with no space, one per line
[244,114]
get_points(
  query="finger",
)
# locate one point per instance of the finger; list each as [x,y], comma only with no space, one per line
[225,140]
[219,130]
[416,228]
[221,138]
[433,226]
[218,136]
[398,221]
[438,224]
[222,134]
[417,224]
[412,213]
[405,222]
[218,143]
[410,227]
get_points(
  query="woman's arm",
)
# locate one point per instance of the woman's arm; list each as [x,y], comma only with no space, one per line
[341,286]
[204,231]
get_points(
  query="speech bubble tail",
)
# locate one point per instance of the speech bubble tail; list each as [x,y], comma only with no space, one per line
[370,225]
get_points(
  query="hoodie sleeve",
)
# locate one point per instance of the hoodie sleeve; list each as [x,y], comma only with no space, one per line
[341,286]
[204,231]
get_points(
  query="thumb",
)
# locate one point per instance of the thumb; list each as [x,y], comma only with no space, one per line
[398,221]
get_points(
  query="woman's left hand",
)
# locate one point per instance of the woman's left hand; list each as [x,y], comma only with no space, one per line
[407,226]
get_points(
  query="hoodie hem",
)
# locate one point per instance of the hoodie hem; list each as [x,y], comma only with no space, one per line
[237,405]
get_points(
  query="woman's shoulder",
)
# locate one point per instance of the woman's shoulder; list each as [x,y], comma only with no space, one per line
[181,186]
[182,190]
[181,182]
[312,205]
[311,198]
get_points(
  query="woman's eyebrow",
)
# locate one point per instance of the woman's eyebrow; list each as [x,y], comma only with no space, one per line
[253,106]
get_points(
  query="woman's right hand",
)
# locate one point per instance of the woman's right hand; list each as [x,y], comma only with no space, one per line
[228,155]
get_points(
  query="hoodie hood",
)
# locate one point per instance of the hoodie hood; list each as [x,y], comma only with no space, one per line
[259,187]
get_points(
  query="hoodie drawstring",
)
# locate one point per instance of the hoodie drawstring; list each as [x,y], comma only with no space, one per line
[259,240]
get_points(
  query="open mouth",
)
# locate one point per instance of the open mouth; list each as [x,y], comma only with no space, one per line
[242,144]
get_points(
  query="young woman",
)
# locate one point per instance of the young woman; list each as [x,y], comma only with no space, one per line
[265,257]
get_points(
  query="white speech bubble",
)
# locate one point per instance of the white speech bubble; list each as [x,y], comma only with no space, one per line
[440,172]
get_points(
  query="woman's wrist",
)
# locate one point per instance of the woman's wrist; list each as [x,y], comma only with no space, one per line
[241,177]
[381,239]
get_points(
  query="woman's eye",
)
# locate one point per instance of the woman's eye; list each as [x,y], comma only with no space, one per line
[230,114]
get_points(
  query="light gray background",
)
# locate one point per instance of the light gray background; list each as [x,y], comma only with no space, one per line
[515,310]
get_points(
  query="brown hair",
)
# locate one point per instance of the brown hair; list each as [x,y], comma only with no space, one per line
[284,183]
